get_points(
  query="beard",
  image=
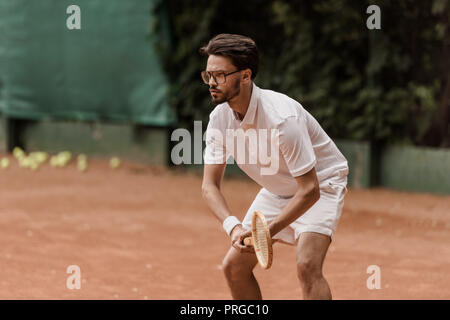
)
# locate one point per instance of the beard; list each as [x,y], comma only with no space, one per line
[224,96]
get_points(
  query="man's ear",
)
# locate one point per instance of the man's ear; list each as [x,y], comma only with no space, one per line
[248,74]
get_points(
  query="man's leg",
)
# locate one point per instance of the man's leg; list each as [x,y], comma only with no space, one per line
[311,250]
[238,270]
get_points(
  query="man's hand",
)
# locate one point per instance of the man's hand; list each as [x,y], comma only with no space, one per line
[238,234]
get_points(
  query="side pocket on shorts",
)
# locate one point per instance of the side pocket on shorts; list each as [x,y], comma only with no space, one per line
[341,190]
[336,189]
[329,187]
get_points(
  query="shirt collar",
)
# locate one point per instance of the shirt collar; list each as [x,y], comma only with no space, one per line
[249,117]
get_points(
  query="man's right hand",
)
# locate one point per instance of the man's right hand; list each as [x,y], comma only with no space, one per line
[238,234]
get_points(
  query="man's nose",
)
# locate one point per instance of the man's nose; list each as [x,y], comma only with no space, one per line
[212,81]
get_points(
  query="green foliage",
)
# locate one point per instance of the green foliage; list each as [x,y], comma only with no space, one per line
[380,85]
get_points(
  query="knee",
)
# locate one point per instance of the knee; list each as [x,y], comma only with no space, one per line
[308,271]
[234,271]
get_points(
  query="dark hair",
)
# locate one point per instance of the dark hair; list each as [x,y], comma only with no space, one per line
[240,49]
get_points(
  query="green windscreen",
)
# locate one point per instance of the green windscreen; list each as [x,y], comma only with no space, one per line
[107,70]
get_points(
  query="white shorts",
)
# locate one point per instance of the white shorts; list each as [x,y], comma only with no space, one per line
[322,217]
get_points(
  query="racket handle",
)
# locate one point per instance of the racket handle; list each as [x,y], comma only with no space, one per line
[248,241]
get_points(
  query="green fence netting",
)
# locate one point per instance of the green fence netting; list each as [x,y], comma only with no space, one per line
[106,71]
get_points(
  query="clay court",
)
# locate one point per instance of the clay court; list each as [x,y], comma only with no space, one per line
[143,232]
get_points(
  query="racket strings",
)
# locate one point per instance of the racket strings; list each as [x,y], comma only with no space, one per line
[261,244]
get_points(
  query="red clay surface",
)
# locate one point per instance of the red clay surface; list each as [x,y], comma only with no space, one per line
[142,232]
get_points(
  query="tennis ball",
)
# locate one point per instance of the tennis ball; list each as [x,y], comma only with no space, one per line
[114,162]
[82,162]
[4,163]
[61,162]
[82,166]
[39,157]
[54,161]
[62,158]
[66,154]
[19,155]
[25,162]
[18,152]
[34,165]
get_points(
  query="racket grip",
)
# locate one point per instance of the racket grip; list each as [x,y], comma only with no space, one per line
[248,241]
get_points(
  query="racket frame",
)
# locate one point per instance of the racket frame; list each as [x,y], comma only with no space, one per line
[262,263]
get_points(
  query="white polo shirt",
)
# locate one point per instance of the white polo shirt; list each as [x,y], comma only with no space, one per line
[281,141]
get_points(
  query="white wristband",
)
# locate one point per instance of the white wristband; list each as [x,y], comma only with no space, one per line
[229,223]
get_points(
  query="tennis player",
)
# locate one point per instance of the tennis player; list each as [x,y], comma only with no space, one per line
[301,200]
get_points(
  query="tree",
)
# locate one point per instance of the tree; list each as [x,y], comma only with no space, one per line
[389,85]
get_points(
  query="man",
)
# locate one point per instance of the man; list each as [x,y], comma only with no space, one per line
[301,200]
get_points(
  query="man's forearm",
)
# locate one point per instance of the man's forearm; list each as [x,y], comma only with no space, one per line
[216,202]
[296,207]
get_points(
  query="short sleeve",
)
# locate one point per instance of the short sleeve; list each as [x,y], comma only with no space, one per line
[215,152]
[296,146]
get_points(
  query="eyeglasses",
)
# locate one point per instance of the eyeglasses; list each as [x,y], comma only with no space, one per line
[218,76]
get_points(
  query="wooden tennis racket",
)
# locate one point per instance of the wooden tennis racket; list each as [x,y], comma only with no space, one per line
[260,240]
